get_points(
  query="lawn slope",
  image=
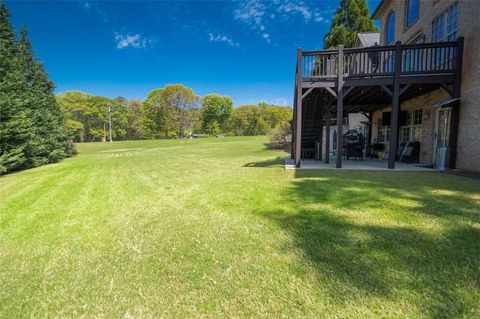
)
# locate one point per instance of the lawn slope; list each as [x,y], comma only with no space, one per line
[217,227]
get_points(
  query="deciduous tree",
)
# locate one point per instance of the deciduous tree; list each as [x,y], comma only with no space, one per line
[216,109]
[170,111]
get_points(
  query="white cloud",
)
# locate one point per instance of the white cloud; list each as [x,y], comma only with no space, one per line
[222,38]
[135,41]
[290,7]
[252,13]
[317,17]
[264,16]
[266,36]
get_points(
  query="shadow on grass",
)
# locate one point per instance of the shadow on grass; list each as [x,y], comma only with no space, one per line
[275,162]
[409,237]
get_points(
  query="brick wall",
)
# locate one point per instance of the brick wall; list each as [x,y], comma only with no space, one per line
[468,152]
[425,103]
[469,125]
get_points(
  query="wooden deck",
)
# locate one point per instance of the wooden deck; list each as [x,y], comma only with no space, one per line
[366,79]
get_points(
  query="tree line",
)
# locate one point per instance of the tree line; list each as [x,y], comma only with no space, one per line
[174,111]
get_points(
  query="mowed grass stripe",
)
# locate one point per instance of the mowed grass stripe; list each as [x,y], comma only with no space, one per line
[217,228]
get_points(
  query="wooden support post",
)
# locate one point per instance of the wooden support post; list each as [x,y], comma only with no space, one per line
[457,89]
[298,110]
[395,106]
[340,106]
[320,139]
[327,135]
[370,131]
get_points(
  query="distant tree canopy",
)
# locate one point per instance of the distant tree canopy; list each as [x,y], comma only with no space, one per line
[32,130]
[174,111]
[259,119]
[351,17]
[86,116]
[216,112]
[171,111]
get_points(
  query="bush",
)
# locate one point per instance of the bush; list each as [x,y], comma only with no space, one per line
[281,137]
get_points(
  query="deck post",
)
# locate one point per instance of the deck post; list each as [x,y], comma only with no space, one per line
[327,134]
[298,110]
[320,134]
[340,70]
[395,106]
[457,89]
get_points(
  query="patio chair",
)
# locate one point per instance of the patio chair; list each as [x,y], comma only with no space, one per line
[399,151]
[355,151]
[411,153]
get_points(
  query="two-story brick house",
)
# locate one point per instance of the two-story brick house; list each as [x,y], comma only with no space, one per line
[420,86]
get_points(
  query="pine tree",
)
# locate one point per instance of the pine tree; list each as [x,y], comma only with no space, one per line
[48,144]
[15,117]
[351,17]
[32,131]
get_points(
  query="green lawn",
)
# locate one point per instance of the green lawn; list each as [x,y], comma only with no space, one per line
[217,228]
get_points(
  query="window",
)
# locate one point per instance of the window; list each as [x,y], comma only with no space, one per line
[390,31]
[444,27]
[383,134]
[417,117]
[405,134]
[413,8]
[412,128]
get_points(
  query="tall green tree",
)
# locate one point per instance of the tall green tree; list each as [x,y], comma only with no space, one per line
[135,113]
[245,121]
[153,114]
[48,143]
[216,112]
[351,17]
[31,125]
[170,111]
[15,117]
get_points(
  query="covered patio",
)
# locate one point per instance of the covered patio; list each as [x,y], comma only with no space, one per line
[365,165]
[332,83]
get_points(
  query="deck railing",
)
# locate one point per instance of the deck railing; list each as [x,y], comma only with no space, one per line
[378,61]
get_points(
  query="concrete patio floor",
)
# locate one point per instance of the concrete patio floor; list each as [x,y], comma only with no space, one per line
[367,164]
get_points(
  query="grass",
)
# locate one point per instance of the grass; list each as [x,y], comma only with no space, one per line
[217,228]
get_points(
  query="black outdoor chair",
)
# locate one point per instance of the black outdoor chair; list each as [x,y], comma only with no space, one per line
[355,151]
[411,153]
[400,151]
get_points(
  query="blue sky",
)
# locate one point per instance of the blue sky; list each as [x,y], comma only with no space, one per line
[244,49]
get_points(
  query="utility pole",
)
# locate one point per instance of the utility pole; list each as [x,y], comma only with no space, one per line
[110,121]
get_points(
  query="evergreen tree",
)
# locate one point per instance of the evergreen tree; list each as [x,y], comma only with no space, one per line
[15,117]
[32,130]
[351,17]
[48,144]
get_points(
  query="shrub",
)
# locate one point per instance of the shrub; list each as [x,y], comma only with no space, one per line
[281,137]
